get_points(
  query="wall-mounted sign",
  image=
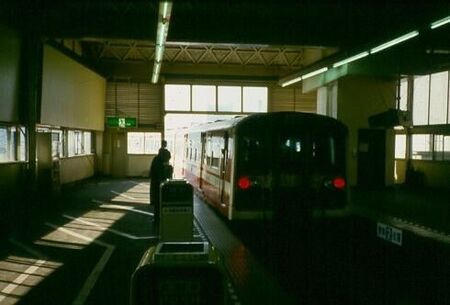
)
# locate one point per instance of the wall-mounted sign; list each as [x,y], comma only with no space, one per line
[120,122]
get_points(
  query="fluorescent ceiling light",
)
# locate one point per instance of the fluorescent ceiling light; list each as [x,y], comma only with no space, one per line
[440,22]
[159,52]
[290,82]
[304,76]
[350,59]
[165,9]
[394,42]
[156,70]
[314,73]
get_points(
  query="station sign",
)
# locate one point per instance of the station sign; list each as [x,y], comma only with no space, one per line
[121,122]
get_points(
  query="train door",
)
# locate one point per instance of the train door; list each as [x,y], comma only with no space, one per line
[119,154]
[223,166]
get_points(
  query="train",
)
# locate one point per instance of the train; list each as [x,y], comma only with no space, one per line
[265,165]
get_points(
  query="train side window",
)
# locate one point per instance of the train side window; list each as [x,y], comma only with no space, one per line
[216,147]
[208,151]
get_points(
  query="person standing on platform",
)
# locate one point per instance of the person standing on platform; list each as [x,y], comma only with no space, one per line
[160,170]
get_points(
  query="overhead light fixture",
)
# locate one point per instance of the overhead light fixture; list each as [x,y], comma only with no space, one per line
[303,77]
[314,73]
[156,70]
[394,42]
[165,9]
[350,59]
[299,77]
[440,22]
[290,82]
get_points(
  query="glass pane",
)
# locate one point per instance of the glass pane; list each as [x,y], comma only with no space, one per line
[204,98]
[404,94]
[22,144]
[56,138]
[438,98]
[438,147]
[421,146]
[400,146]
[71,143]
[3,145]
[420,100]
[229,98]
[177,97]
[135,142]
[12,143]
[255,99]
[446,147]
[78,143]
[87,142]
[152,142]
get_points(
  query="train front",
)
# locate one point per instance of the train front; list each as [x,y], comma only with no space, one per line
[289,164]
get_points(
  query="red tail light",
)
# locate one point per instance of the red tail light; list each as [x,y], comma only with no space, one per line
[244,182]
[339,183]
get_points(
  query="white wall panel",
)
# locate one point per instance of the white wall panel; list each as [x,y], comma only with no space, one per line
[72,95]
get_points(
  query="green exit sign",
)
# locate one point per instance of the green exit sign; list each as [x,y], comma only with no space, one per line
[120,122]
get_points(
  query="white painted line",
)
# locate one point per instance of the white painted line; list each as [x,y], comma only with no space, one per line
[93,277]
[123,195]
[29,271]
[121,207]
[107,229]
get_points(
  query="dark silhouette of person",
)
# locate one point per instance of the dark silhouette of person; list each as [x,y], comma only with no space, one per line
[164,147]
[160,170]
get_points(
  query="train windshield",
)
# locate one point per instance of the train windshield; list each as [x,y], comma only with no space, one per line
[254,154]
[297,152]
[293,152]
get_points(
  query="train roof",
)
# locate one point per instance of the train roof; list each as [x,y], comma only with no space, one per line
[282,115]
[217,125]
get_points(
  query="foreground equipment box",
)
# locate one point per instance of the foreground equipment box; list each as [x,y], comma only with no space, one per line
[179,273]
[176,211]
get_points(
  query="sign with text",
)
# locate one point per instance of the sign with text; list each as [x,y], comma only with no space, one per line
[120,122]
[389,233]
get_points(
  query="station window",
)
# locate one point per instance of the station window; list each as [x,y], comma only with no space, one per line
[403,94]
[441,147]
[56,143]
[203,98]
[212,98]
[438,98]
[12,144]
[255,99]
[400,146]
[78,143]
[420,100]
[421,146]
[229,98]
[143,143]
[177,97]
[87,142]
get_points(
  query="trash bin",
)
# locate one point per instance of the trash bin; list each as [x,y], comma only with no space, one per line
[179,273]
[176,219]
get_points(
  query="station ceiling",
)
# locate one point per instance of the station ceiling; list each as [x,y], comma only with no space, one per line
[265,38]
